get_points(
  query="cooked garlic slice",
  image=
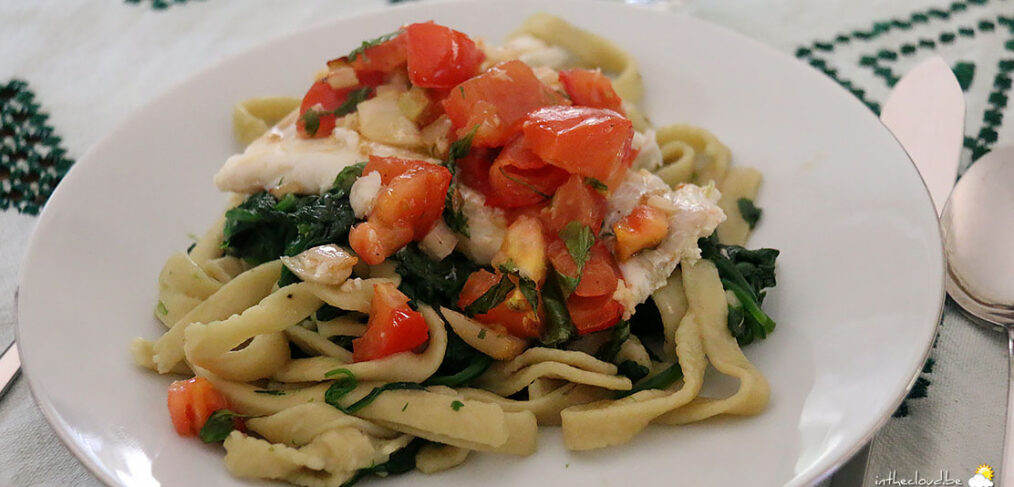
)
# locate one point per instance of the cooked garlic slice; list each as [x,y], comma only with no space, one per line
[324,264]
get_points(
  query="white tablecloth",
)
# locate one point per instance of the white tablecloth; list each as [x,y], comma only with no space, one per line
[88,64]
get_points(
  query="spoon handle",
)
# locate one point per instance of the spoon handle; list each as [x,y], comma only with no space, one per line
[1007,466]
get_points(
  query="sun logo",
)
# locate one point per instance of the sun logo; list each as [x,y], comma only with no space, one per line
[983,477]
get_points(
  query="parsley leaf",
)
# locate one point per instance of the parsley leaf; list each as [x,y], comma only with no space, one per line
[343,385]
[529,289]
[596,185]
[218,426]
[431,281]
[263,228]
[361,50]
[270,392]
[608,351]
[559,327]
[632,370]
[461,365]
[311,117]
[453,215]
[661,380]
[526,184]
[491,298]
[745,273]
[751,214]
[398,463]
[456,405]
[579,239]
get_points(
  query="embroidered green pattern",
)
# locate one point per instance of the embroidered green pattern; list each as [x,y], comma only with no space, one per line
[880,63]
[31,159]
[159,4]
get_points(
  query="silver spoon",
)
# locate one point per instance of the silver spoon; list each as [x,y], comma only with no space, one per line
[978,230]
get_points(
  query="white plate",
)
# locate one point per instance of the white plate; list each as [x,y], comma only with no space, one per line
[860,277]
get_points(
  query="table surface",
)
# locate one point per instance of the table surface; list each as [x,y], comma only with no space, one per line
[58,58]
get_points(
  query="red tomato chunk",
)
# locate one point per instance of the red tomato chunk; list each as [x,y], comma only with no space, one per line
[393,327]
[323,98]
[440,57]
[191,403]
[495,101]
[591,142]
[514,315]
[406,209]
[590,88]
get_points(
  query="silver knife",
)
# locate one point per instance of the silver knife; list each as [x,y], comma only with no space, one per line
[10,367]
[926,113]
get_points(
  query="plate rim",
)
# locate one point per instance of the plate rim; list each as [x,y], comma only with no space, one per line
[62,429]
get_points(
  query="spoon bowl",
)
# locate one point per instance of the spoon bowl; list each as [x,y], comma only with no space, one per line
[978,231]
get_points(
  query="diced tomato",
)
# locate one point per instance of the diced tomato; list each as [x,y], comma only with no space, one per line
[645,227]
[599,275]
[393,326]
[590,88]
[191,402]
[473,170]
[382,58]
[574,201]
[496,101]
[519,178]
[406,209]
[590,314]
[323,98]
[440,57]
[391,167]
[374,242]
[514,315]
[592,142]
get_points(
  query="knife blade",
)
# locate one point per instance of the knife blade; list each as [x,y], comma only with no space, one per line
[10,367]
[926,113]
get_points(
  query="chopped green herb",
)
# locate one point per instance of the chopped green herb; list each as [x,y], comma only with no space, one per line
[461,365]
[161,309]
[608,351]
[429,281]
[529,289]
[403,408]
[751,214]
[356,97]
[343,385]
[270,392]
[596,185]
[398,463]
[218,426]
[559,327]
[482,334]
[461,88]
[579,239]
[632,370]
[491,298]
[746,273]
[526,184]
[261,229]
[453,215]
[661,380]
[361,50]
[456,405]
[311,117]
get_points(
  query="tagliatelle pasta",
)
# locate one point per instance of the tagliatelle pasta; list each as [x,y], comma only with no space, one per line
[438,252]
